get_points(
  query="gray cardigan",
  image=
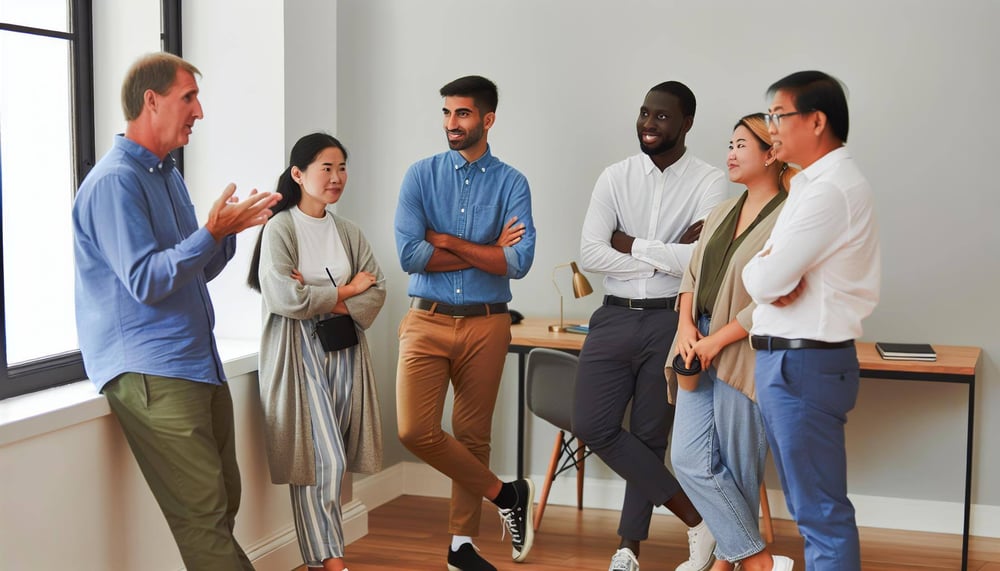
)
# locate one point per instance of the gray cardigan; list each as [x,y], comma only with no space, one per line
[288,426]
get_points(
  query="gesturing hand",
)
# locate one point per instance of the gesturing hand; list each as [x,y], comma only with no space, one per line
[230,216]
[510,234]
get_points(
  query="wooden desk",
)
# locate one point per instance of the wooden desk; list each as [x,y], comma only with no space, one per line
[954,365]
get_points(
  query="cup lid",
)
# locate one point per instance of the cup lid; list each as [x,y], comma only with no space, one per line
[680,369]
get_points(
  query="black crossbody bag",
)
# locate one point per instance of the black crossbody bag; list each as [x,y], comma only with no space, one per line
[336,333]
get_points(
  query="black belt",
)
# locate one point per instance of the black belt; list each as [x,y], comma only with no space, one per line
[471,310]
[772,343]
[648,303]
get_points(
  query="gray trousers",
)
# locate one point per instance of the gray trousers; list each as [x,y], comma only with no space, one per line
[622,360]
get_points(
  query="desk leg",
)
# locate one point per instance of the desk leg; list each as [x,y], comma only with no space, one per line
[521,366]
[968,475]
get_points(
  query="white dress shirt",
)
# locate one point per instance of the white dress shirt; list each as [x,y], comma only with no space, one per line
[655,207]
[826,234]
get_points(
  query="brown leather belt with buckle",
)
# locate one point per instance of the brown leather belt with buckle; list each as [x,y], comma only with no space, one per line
[471,310]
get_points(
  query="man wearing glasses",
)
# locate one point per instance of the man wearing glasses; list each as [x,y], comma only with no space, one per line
[815,280]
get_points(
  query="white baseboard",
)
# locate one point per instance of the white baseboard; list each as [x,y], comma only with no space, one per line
[417,479]
[872,511]
[280,552]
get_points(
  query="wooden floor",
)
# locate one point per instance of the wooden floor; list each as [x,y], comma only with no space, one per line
[410,533]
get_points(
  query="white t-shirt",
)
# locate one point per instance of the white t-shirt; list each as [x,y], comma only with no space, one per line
[320,249]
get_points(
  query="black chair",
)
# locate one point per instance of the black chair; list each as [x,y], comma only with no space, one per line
[551,383]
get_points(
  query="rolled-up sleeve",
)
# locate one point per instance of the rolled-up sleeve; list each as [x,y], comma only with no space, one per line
[520,256]
[411,225]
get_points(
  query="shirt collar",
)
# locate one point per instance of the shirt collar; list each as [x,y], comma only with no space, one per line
[146,159]
[825,163]
[677,168]
[482,162]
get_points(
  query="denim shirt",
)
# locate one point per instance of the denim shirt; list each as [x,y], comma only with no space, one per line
[142,269]
[471,201]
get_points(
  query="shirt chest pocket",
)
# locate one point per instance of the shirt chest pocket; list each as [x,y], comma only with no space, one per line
[486,224]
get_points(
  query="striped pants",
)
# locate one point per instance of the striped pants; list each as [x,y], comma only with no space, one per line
[316,509]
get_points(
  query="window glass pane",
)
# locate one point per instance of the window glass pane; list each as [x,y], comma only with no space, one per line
[45,14]
[36,150]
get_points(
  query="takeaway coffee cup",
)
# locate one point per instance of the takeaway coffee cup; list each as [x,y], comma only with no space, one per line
[687,377]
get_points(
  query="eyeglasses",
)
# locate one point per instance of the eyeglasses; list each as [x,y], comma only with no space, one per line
[776,117]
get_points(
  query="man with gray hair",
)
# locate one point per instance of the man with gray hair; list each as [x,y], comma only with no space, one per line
[143,313]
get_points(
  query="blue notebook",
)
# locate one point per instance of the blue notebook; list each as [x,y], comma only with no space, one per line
[581,329]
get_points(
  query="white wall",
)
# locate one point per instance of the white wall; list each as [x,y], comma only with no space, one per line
[571,77]
[74,497]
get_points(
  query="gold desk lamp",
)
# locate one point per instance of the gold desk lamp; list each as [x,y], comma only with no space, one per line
[581,287]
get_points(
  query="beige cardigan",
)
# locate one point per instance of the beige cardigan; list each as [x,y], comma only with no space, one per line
[288,426]
[735,363]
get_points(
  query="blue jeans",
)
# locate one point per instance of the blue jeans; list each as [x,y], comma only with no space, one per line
[804,396]
[718,454]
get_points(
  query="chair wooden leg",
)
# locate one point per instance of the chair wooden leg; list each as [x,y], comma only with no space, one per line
[580,459]
[553,464]
[765,510]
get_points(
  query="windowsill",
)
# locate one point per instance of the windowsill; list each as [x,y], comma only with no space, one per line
[33,414]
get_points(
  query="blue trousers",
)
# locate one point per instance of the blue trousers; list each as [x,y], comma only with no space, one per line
[804,397]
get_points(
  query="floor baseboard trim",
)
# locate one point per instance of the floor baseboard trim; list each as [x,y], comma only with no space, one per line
[279,552]
[418,479]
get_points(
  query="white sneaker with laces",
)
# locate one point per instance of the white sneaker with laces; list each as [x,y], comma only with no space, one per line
[624,560]
[701,544]
[781,563]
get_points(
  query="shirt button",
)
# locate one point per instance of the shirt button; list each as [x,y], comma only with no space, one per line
[463,210]
[150,169]
[458,291]
[484,170]
[466,181]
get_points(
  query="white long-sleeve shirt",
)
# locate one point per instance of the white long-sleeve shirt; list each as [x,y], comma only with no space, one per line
[655,207]
[826,234]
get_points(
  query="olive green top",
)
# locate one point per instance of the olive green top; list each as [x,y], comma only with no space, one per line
[719,251]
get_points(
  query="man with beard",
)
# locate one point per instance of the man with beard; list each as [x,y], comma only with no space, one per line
[644,216]
[463,231]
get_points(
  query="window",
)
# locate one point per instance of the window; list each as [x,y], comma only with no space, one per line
[46,148]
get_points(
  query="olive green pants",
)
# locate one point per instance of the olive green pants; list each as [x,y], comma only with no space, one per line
[181,433]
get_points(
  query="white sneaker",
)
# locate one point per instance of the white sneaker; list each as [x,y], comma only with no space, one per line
[781,563]
[701,544]
[624,560]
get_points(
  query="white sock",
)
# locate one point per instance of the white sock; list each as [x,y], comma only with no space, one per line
[459,540]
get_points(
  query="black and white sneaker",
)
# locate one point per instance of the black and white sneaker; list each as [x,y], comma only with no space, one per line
[467,558]
[518,520]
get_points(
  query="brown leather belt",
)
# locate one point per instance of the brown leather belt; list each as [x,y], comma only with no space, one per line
[471,310]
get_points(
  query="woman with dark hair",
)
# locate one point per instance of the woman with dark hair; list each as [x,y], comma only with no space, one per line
[321,288]
[719,443]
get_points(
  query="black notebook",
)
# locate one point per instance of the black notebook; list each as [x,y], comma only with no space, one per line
[906,351]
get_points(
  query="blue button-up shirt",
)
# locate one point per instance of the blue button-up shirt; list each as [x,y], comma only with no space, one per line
[142,269]
[471,201]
